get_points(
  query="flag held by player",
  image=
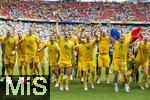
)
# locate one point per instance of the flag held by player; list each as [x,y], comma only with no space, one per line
[133,35]
[115,34]
[136,34]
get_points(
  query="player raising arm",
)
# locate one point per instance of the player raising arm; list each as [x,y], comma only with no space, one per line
[103,58]
[66,57]
[119,60]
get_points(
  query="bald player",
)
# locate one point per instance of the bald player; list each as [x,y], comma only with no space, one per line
[103,58]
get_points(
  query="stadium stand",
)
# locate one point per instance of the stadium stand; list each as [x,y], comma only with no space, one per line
[87,11]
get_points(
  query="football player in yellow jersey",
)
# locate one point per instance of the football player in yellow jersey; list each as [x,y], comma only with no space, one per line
[90,62]
[9,48]
[119,60]
[31,45]
[22,56]
[103,58]
[53,55]
[41,55]
[80,49]
[66,57]
[87,58]
[130,66]
[142,60]
[74,39]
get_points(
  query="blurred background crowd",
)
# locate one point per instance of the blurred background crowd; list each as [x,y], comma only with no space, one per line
[86,11]
[44,29]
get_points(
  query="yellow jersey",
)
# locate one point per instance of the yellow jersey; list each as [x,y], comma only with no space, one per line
[120,50]
[9,44]
[80,50]
[21,47]
[143,50]
[53,51]
[66,50]
[92,47]
[103,45]
[31,44]
[88,50]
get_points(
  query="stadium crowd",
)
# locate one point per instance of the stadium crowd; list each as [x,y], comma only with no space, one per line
[44,28]
[87,11]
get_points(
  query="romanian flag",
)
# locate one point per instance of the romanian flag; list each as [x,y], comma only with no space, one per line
[131,36]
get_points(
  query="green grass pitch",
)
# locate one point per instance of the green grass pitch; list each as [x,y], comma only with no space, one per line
[101,92]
